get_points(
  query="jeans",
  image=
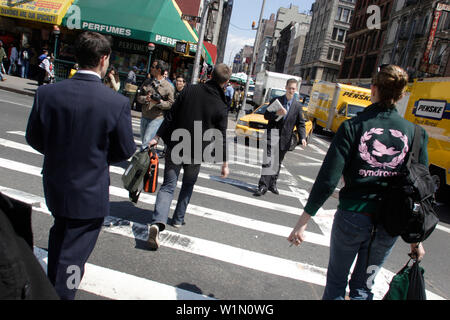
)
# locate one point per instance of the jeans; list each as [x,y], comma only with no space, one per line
[165,193]
[24,69]
[350,237]
[149,128]
[12,68]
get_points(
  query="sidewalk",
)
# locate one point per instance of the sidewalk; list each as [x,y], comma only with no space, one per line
[18,85]
[28,87]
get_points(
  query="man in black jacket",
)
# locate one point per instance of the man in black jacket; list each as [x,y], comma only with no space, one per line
[279,134]
[196,122]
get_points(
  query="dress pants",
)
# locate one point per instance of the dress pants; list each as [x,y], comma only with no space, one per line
[70,243]
[271,166]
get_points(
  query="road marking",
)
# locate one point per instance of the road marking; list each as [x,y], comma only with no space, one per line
[309,158]
[242,257]
[199,210]
[17,104]
[289,181]
[317,149]
[306,179]
[321,142]
[308,164]
[117,285]
[20,133]
[18,146]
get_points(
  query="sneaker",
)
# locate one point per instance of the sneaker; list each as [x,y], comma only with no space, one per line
[178,224]
[153,237]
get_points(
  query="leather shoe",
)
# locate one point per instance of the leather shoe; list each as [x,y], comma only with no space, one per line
[261,191]
[274,189]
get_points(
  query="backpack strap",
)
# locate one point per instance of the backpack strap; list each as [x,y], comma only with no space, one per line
[416,145]
[413,154]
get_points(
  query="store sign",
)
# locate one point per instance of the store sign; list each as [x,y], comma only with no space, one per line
[41,11]
[130,46]
[119,31]
[426,55]
[172,42]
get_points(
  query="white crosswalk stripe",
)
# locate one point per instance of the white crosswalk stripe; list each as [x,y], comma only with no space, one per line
[98,279]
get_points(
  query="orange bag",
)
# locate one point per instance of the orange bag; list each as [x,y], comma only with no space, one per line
[151,177]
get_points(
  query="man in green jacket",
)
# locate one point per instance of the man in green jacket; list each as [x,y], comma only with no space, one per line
[366,151]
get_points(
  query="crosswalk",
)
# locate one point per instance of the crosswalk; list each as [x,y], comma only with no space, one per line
[228,235]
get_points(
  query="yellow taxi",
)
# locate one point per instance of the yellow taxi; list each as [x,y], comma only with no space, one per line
[253,125]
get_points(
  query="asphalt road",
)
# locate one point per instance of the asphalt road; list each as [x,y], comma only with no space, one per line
[233,245]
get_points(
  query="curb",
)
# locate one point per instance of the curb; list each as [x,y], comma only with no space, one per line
[19,91]
[134,114]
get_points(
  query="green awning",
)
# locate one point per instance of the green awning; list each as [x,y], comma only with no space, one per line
[157,21]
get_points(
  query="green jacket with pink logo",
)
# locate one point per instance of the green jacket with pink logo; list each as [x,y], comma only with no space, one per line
[366,151]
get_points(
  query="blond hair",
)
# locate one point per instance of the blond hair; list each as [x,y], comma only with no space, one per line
[221,73]
[391,82]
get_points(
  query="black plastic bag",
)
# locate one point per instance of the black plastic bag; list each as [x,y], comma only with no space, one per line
[416,290]
[407,284]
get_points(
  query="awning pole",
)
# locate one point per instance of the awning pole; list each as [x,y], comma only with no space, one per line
[198,54]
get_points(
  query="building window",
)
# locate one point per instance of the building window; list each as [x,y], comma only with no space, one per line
[330,53]
[338,14]
[338,35]
[341,35]
[345,15]
[337,54]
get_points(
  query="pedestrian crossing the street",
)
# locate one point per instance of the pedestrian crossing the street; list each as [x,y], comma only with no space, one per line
[233,245]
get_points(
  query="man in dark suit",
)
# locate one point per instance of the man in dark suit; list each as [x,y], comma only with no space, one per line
[199,111]
[81,127]
[279,134]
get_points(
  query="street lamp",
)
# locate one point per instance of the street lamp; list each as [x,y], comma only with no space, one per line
[56,32]
[150,48]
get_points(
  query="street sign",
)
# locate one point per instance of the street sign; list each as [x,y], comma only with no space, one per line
[189,18]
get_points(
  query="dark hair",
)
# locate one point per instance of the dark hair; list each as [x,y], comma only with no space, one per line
[221,73]
[116,74]
[391,82]
[292,80]
[90,47]
[180,76]
[161,65]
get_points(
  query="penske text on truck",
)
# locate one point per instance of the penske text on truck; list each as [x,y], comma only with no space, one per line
[331,104]
[429,106]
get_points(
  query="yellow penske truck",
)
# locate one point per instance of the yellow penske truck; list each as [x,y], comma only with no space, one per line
[330,104]
[429,107]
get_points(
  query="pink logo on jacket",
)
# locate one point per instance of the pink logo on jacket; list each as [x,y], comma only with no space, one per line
[379,150]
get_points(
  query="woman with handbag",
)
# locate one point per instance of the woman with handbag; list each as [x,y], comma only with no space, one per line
[366,151]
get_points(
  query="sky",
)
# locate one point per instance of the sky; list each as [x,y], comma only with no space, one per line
[244,12]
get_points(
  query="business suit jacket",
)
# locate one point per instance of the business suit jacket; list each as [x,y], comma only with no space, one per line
[80,126]
[286,126]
